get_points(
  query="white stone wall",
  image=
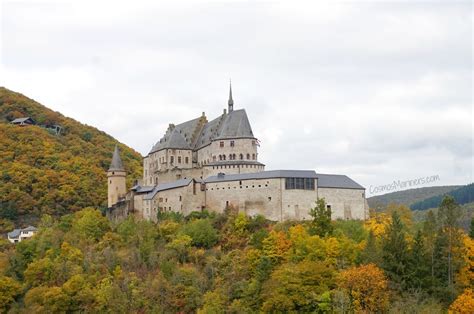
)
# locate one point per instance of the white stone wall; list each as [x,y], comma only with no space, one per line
[345,203]
[164,160]
[183,200]
[116,186]
[245,147]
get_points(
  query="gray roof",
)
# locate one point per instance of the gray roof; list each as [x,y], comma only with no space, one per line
[116,163]
[21,120]
[263,175]
[142,189]
[337,181]
[234,124]
[167,186]
[14,234]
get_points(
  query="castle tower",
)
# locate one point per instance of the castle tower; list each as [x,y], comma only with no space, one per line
[116,176]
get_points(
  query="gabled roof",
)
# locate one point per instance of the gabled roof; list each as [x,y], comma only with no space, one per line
[234,124]
[21,120]
[262,175]
[337,181]
[116,163]
[29,228]
[167,186]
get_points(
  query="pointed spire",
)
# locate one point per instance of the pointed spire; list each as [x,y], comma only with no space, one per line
[116,163]
[231,101]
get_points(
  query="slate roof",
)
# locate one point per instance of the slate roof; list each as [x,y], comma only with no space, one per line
[234,124]
[21,120]
[337,181]
[263,175]
[324,180]
[142,189]
[116,163]
[16,232]
[167,186]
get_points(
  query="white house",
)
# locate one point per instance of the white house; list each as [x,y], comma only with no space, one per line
[19,235]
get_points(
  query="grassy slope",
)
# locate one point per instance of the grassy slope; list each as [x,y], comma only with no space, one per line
[45,173]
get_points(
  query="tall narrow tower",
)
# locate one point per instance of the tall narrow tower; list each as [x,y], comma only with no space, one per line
[116,176]
[230,102]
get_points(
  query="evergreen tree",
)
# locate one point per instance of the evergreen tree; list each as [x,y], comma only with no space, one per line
[430,230]
[395,252]
[321,224]
[371,253]
[419,266]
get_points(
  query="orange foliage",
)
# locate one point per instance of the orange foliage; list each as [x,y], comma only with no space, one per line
[464,304]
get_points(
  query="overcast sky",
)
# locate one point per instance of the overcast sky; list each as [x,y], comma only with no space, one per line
[375,90]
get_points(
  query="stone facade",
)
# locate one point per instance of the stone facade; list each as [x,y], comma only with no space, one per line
[214,164]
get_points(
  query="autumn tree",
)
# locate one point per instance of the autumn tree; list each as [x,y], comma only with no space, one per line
[9,289]
[367,288]
[464,304]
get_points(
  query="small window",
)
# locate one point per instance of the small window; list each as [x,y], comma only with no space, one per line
[269,198]
[221,144]
[241,156]
[180,198]
[248,156]
[186,160]
[232,143]
[172,159]
[179,159]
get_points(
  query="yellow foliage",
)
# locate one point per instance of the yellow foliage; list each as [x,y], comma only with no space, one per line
[464,304]
[367,287]
[466,274]
[378,224]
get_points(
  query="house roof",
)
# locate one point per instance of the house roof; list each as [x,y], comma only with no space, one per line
[142,189]
[21,120]
[262,175]
[14,234]
[167,186]
[236,125]
[116,163]
[337,181]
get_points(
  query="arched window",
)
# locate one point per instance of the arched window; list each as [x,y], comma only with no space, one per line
[214,158]
[248,156]
[233,156]
[241,156]
[223,157]
[220,157]
[253,156]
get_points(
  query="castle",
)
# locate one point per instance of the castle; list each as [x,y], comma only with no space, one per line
[201,164]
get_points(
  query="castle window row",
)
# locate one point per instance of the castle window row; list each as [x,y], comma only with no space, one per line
[234,157]
[235,166]
[299,184]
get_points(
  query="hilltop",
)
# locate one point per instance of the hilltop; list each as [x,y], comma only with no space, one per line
[409,197]
[44,172]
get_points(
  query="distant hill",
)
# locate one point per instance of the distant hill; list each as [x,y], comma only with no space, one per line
[43,172]
[409,197]
[465,219]
[462,195]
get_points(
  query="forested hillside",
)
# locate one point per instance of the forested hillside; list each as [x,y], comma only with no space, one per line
[462,195]
[230,263]
[408,197]
[47,173]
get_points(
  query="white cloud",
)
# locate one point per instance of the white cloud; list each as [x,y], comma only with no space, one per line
[376,90]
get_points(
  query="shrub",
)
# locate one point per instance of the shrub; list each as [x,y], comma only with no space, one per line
[202,232]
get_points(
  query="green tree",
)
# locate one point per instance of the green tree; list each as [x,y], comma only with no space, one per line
[321,224]
[371,253]
[395,252]
[418,270]
[201,232]
[90,224]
